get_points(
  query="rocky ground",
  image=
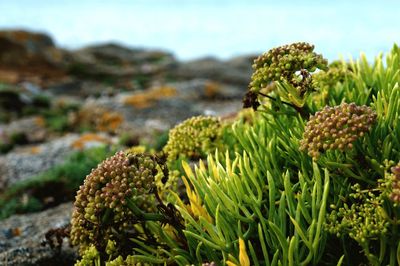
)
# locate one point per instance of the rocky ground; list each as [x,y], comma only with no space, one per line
[54,102]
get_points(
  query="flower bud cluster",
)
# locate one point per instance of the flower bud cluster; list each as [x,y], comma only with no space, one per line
[336,128]
[337,73]
[193,138]
[363,220]
[89,257]
[283,64]
[128,261]
[105,193]
[395,184]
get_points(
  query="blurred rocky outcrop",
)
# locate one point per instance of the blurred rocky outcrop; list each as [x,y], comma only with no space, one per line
[30,53]
[235,71]
[113,61]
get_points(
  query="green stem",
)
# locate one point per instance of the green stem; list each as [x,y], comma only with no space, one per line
[142,215]
[304,113]
[373,260]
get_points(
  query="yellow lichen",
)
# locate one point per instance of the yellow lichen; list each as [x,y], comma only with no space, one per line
[211,89]
[81,142]
[150,97]
[97,118]
[40,121]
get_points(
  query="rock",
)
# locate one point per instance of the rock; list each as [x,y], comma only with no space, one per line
[145,118]
[21,238]
[27,161]
[32,128]
[28,52]
[211,68]
[23,163]
[205,89]
[81,88]
[115,54]
[243,62]
[192,91]
[113,61]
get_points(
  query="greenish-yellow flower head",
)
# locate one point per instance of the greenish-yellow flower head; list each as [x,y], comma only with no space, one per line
[338,72]
[193,138]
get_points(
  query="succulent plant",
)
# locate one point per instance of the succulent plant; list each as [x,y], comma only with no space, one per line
[258,200]
[193,138]
[336,128]
[110,197]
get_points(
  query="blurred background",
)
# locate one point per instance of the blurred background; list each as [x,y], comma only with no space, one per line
[82,79]
[223,28]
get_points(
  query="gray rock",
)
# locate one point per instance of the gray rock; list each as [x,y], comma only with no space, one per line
[32,128]
[22,237]
[113,53]
[242,62]
[116,61]
[25,162]
[219,108]
[80,88]
[211,68]
[205,89]
[165,111]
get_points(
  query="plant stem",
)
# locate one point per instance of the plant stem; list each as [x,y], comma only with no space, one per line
[142,215]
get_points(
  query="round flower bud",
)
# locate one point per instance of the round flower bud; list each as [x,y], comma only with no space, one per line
[336,128]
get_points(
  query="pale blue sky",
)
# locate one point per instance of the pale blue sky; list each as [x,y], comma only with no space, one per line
[222,28]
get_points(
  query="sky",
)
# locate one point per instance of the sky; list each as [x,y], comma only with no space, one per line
[219,28]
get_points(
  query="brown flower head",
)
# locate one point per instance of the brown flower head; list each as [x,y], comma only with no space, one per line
[101,202]
[336,128]
[292,63]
